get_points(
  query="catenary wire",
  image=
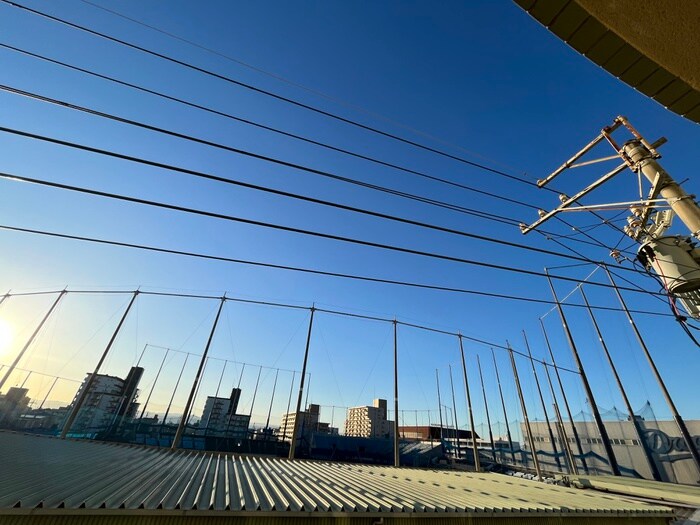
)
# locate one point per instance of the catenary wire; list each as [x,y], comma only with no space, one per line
[256,187]
[478,213]
[278,131]
[271,94]
[291,229]
[291,82]
[219,258]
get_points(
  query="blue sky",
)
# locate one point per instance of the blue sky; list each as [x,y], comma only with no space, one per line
[482,76]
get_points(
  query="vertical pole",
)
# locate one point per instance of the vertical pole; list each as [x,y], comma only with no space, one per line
[153,386]
[528,429]
[577,439]
[289,404]
[31,338]
[195,385]
[544,406]
[240,376]
[612,460]
[272,400]
[295,428]
[442,437]
[397,459]
[562,432]
[475,449]
[637,426]
[141,356]
[91,378]
[503,405]
[454,411]
[255,391]
[486,407]
[6,296]
[690,444]
[48,393]
[172,396]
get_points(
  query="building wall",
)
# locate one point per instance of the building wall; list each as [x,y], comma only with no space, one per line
[369,421]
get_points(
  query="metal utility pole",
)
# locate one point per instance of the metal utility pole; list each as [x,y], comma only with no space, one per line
[437,381]
[289,404]
[562,431]
[295,428]
[690,444]
[577,439]
[475,449]
[91,378]
[31,338]
[53,384]
[612,460]
[255,391]
[486,407]
[195,385]
[153,386]
[544,406]
[503,405]
[454,413]
[635,421]
[172,396]
[528,428]
[272,400]
[397,459]
[643,160]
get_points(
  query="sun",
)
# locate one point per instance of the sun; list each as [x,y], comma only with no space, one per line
[5,336]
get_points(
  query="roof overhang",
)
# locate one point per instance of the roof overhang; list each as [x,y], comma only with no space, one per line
[650,45]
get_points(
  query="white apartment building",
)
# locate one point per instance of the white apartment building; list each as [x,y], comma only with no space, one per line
[219,417]
[369,421]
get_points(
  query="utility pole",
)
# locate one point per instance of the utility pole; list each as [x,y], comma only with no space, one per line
[475,448]
[454,413]
[612,460]
[272,400]
[577,439]
[503,405]
[437,381]
[690,444]
[31,338]
[295,428]
[528,428]
[635,421]
[92,377]
[397,458]
[544,406]
[562,431]
[195,385]
[486,408]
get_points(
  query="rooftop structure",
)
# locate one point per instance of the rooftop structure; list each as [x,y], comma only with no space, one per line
[651,46]
[80,482]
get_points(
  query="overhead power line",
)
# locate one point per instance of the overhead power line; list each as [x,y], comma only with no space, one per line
[271,94]
[265,189]
[291,229]
[280,132]
[219,258]
[470,211]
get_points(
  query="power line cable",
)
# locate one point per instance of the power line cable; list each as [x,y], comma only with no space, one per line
[291,229]
[255,187]
[271,94]
[295,269]
[478,213]
[290,82]
[278,131]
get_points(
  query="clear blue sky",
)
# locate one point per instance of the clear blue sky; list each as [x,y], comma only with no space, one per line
[482,76]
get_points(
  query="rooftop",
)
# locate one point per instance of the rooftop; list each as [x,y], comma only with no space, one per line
[49,475]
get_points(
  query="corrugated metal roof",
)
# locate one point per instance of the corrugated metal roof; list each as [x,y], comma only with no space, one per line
[684,494]
[48,473]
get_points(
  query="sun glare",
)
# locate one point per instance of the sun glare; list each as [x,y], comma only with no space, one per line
[5,336]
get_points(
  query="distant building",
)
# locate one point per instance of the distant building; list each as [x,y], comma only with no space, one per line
[369,421]
[219,417]
[308,424]
[12,405]
[110,402]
